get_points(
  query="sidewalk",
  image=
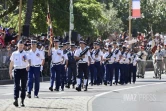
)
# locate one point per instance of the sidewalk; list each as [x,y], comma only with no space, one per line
[70,103]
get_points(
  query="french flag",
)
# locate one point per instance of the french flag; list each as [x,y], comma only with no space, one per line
[136,11]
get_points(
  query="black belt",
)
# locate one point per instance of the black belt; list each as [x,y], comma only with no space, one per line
[58,63]
[97,61]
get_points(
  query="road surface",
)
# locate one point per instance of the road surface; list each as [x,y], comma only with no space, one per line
[147,94]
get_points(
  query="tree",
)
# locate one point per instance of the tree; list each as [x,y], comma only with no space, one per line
[110,23]
[28,12]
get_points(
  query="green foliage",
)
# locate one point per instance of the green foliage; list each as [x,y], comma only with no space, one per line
[110,23]
[91,18]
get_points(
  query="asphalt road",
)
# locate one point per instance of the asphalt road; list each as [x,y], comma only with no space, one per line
[147,94]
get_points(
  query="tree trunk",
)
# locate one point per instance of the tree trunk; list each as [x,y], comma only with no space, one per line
[28,12]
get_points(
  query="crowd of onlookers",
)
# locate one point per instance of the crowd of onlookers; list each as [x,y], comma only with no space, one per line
[8,41]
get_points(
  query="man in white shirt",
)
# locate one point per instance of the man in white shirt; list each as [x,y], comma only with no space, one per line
[158,56]
[141,62]
[36,60]
[164,57]
[57,57]
[19,61]
[109,60]
[116,54]
[134,67]
[97,56]
[64,65]
[83,63]
[72,68]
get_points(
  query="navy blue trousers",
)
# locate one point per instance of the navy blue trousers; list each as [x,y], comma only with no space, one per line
[20,75]
[99,72]
[134,70]
[55,69]
[72,72]
[116,68]
[34,72]
[93,73]
[109,72]
[122,73]
[126,73]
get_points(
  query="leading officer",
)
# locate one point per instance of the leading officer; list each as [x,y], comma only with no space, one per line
[19,62]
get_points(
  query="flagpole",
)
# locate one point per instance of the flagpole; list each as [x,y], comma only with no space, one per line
[20,11]
[71,22]
[130,6]
[130,18]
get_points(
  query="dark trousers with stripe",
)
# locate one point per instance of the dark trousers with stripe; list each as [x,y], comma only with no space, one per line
[134,70]
[82,71]
[109,72]
[34,72]
[55,69]
[116,68]
[126,73]
[62,76]
[99,72]
[72,71]
[122,73]
[93,74]
[130,72]
[20,75]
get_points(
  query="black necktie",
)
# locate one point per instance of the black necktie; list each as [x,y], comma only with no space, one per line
[21,51]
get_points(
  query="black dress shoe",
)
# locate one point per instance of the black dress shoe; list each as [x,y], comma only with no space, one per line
[56,90]
[67,86]
[22,103]
[86,88]
[73,86]
[50,88]
[110,83]
[78,89]
[29,95]
[15,103]
[62,89]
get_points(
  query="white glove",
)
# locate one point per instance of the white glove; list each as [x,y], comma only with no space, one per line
[41,68]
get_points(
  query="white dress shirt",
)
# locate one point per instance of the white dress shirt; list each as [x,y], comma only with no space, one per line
[20,60]
[117,56]
[111,60]
[98,58]
[159,55]
[84,60]
[36,57]
[57,55]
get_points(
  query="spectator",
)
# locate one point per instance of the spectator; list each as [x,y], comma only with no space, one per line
[2,37]
[10,36]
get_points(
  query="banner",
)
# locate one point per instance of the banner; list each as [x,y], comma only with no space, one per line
[136,9]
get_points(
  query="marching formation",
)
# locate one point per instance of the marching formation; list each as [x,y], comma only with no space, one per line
[79,66]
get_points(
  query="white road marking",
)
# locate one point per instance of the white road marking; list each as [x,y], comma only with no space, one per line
[128,88]
[101,94]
